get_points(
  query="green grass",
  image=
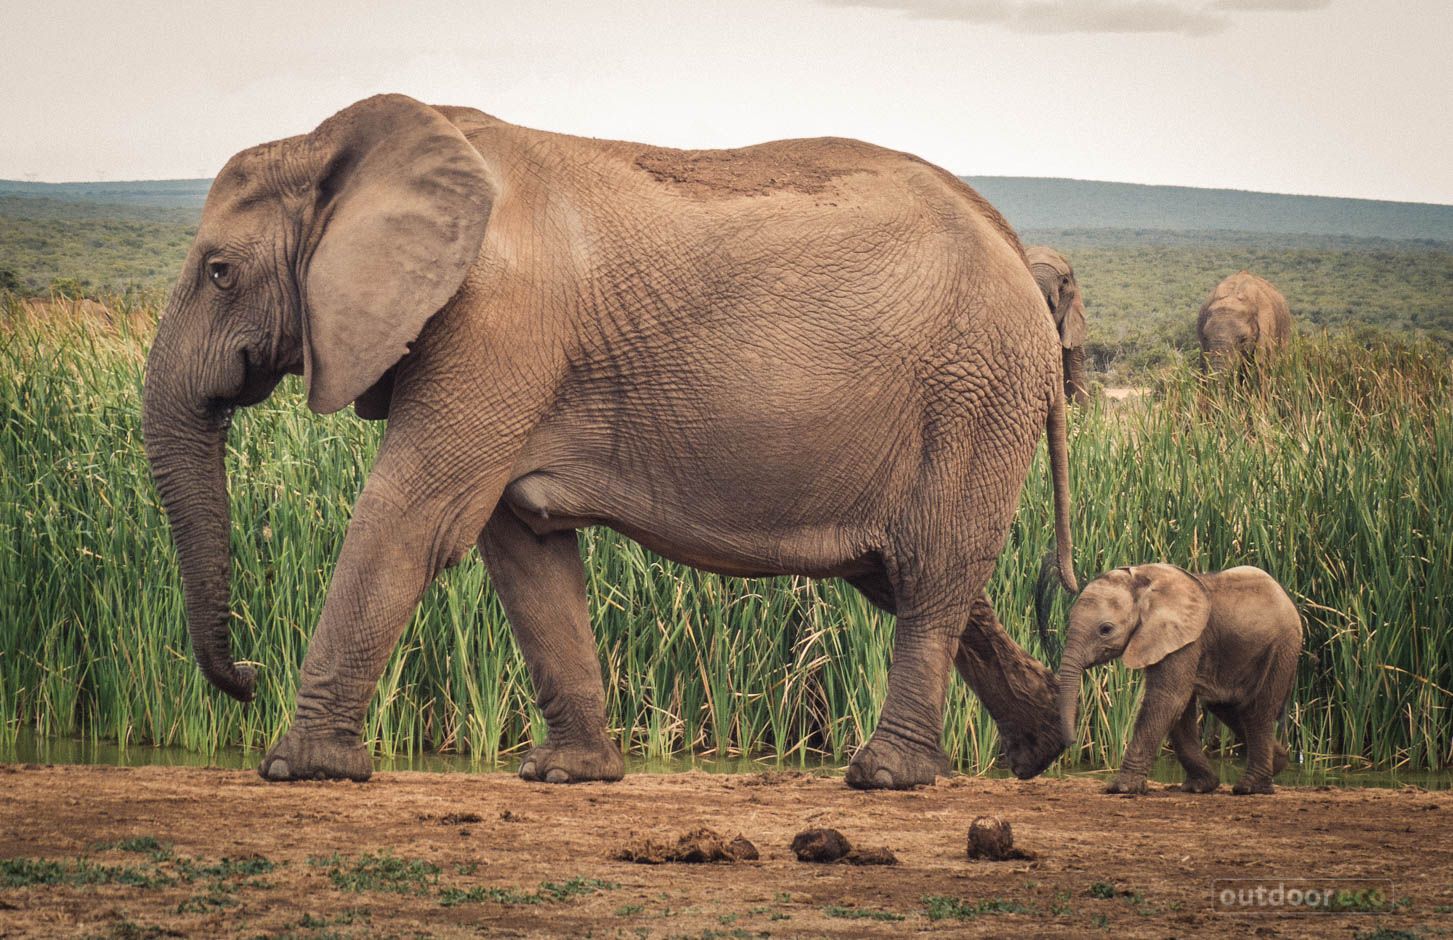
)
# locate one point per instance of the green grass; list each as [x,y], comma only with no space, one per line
[549,892]
[860,913]
[942,907]
[381,872]
[1334,471]
[163,867]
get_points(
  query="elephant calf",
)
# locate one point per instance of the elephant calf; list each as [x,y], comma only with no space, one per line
[1230,639]
[1243,315]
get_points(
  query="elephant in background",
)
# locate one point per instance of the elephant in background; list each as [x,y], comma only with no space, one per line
[815,357]
[1056,280]
[1229,639]
[1243,316]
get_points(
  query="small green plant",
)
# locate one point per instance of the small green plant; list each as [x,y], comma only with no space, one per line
[629,910]
[382,872]
[860,913]
[549,892]
[1101,890]
[941,907]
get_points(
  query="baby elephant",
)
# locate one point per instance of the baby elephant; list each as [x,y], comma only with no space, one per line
[1229,639]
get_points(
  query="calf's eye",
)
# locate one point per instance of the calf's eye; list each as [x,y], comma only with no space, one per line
[1106,628]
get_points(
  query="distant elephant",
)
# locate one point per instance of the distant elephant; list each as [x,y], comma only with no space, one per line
[1056,280]
[1228,639]
[816,357]
[1243,315]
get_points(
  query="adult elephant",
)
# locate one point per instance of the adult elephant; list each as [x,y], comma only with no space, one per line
[815,357]
[1056,280]
[1243,316]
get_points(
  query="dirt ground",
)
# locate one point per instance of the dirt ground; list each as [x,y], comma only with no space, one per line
[154,851]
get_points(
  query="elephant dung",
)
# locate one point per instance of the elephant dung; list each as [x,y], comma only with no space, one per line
[700,846]
[992,838]
[820,845]
[829,845]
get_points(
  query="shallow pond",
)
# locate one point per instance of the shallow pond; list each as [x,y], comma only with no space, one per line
[33,749]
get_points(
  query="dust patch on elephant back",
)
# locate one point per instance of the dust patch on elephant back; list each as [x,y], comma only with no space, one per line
[725,173]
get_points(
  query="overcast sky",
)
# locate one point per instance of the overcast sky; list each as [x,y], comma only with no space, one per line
[1331,97]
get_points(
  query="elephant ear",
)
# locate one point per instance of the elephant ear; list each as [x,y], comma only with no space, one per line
[402,202]
[1073,329]
[1173,609]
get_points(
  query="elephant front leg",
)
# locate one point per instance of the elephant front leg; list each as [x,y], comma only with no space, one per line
[1168,690]
[1017,690]
[541,581]
[390,554]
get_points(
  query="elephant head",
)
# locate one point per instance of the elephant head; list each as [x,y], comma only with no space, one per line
[1061,290]
[1229,333]
[323,254]
[1141,614]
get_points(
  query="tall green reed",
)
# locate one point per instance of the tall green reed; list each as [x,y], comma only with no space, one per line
[1331,468]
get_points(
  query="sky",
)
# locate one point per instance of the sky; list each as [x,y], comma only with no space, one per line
[1324,97]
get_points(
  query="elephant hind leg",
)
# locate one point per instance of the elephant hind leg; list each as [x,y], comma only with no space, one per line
[1017,690]
[541,582]
[1185,739]
[1265,756]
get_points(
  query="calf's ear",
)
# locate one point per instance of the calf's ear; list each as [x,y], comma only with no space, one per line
[1173,610]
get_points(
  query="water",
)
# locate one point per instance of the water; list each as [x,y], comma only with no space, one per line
[35,749]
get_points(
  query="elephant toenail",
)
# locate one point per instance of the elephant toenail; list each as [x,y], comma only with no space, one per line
[883,779]
[527,771]
[557,776]
[278,770]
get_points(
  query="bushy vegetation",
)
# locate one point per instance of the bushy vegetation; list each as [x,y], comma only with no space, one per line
[77,249]
[1333,469]
[1144,289]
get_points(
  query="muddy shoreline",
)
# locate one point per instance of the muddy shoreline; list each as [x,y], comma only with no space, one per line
[158,851]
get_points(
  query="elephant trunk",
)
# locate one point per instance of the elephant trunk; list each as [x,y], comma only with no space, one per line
[1067,681]
[185,434]
[1077,387]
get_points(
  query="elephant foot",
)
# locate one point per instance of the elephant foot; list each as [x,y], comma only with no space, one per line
[325,757]
[884,764]
[573,763]
[1244,787]
[1200,785]
[1126,783]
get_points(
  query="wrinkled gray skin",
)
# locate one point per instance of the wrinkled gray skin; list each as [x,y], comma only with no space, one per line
[1244,317]
[815,357]
[1229,640]
[1056,280]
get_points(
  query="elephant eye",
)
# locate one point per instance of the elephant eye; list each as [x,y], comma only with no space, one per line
[1106,629]
[221,273]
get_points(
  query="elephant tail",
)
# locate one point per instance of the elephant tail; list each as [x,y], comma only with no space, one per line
[1059,467]
[1044,589]
[1058,563]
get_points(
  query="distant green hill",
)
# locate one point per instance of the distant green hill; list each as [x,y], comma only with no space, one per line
[1029,203]
[171,194]
[1037,203]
